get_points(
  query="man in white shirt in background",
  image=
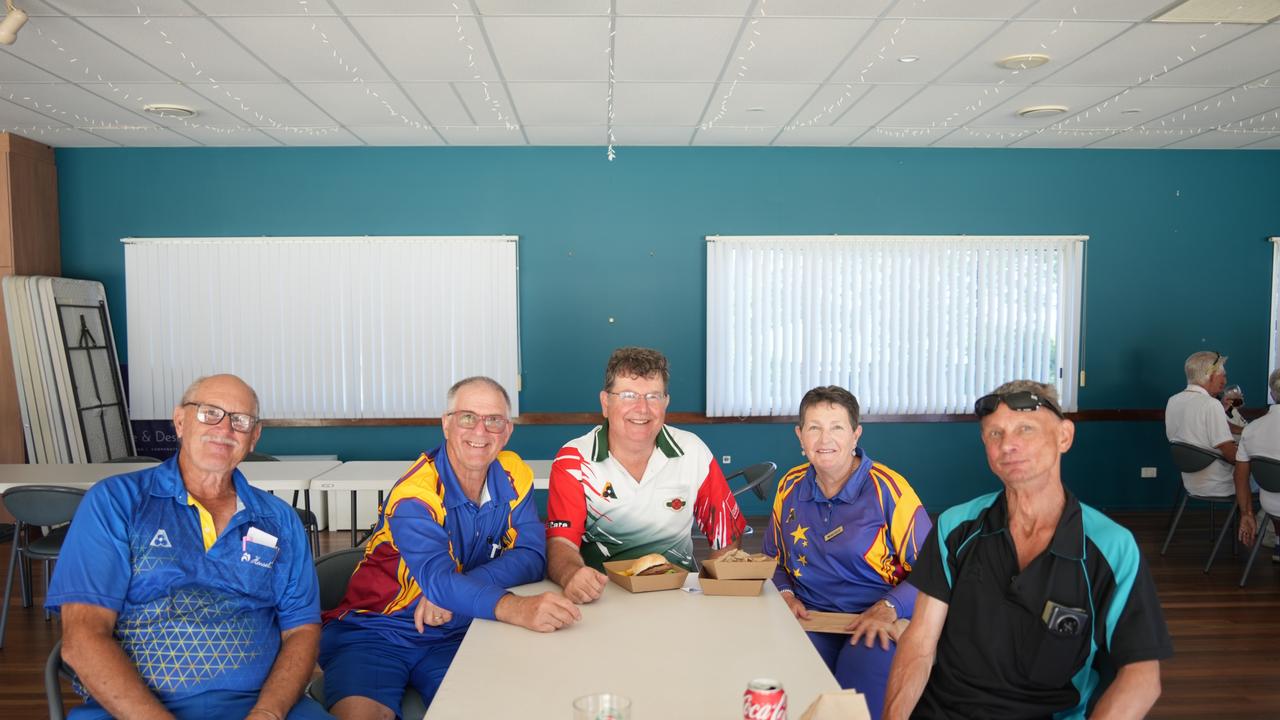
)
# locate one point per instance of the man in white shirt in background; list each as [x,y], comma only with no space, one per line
[1261,438]
[1195,417]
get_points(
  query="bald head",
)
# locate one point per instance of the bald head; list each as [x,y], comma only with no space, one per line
[223,380]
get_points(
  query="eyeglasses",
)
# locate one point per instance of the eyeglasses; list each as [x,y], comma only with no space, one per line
[1022,401]
[629,397]
[1214,365]
[212,415]
[467,420]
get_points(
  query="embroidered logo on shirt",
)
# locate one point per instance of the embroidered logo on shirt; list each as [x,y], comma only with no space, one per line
[791,515]
[676,504]
[608,492]
[161,539]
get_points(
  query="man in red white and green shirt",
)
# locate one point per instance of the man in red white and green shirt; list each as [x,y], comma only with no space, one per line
[633,485]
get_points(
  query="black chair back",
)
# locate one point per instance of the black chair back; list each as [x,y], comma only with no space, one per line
[756,478]
[134,459]
[1266,471]
[334,572]
[1190,458]
[43,505]
[260,457]
[55,670]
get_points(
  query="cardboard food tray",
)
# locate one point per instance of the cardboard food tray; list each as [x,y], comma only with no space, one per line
[644,583]
[714,586]
[722,570]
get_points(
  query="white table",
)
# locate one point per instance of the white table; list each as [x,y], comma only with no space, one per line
[379,475]
[675,654]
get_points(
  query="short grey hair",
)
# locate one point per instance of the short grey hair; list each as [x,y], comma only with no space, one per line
[479,380]
[1273,382]
[1044,390]
[1202,366]
[189,394]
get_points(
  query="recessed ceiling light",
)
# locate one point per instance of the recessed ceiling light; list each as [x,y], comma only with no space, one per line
[1130,111]
[1247,12]
[755,109]
[1023,61]
[908,58]
[169,110]
[1034,111]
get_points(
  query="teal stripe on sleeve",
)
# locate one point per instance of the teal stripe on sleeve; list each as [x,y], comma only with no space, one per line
[952,519]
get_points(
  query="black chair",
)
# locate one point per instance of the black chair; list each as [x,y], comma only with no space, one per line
[1190,458]
[757,477]
[134,459]
[334,572]
[36,506]
[1266,472]
[55,671]
[309,521]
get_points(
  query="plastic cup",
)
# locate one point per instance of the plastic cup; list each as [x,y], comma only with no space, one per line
[602,706]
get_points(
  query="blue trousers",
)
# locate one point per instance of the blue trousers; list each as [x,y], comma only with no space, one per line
[212,705]
[857,667]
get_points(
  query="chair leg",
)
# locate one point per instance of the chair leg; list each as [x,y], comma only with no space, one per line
[1174,525]
[1226,528]
[8,582]
[48,568]
[1253,554]
[1212,524]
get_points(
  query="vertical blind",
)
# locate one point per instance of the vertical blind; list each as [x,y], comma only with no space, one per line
[909,324]
[1274,360]
[322,327]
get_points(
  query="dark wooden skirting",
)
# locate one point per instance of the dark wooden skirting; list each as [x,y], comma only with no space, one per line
[695,418]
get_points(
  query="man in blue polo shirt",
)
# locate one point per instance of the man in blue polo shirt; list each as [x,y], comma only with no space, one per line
[185,592]
[1031,604]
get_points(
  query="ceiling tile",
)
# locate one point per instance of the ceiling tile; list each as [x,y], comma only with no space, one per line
[439,103]
[70,50]
[144,137]
[672,49]
[1216,139]
[1150,102]
[1063,42]
[660,104]
[428,48]
[135,96]
[828,103]
[220,136]
[1232,109]
[266,105]
[818,136]
[986,137]
[364,103]
[18,116]
[1077,99]
[735,135]
[402,136]
[869,9]
[1131,10]
[958,10]
[938,44]
[1132,139]
[756,103]
[946,106]
[561,104]
[787,50]
[38,8]
[488,104]
[543,7]
[1063,138]
[899,137]
[597,136]
[14,69]
[703,8]
[877,102]
[133,8]
[313,137]
[1238,62]
[311,49]
[262,7]
[664,136]
[355,8]
[1144,51]
[482,135]
[75,106]
[567,48]
[71,137]
[188,49]
[1271,142]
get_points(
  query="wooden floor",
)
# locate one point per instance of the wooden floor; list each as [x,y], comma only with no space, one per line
[1226,639]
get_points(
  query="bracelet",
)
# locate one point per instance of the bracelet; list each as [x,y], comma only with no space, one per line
[891,606]
[265,711]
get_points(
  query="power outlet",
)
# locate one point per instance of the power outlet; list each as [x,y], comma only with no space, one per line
[1148,472]
[726,459]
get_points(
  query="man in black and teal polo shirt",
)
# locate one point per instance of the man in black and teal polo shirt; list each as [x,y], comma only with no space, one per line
[1032,604]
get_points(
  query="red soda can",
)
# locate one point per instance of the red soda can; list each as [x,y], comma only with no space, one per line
[764,700]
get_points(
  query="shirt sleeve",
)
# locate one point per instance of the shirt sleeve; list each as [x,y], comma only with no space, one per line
[1242,452]
[781,578]
[526,560]
[1213,422]
[566,503]
[907,525]
[297,590]
[427,551]
[928,575]
[94,566]
[716,510]
[1136,631]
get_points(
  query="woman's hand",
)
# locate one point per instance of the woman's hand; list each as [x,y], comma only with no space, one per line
[875,623]
[797,608]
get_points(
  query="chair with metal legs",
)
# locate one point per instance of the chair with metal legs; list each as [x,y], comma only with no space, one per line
[36,506]
[1189,459]
[1266,472]
[55,671]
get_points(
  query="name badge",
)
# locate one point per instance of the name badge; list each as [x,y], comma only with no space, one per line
[263,556]
[833,533]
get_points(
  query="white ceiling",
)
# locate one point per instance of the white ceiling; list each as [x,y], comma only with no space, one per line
[684,72]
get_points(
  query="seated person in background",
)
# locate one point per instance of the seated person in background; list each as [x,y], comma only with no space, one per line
[185,592]
[845,530]
[1193,416]
[457,530]
[1261,439]
[1232,400]
[1032,604]
[633,485]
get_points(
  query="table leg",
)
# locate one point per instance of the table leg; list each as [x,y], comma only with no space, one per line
[315,529]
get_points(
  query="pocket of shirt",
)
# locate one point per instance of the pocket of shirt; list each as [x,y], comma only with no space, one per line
[1052,659]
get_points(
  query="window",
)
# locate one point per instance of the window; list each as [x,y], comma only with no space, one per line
[909,324]
[325,327]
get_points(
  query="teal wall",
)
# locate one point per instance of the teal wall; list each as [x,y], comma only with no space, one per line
[1178,261]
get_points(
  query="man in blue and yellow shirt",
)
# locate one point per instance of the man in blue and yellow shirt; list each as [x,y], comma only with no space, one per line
[185,592]
[458,529]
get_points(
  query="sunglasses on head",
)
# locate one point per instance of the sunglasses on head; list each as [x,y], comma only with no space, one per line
[1022,401]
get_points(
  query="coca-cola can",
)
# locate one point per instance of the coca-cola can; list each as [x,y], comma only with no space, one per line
[764,700]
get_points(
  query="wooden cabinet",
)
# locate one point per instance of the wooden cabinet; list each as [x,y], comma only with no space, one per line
[29,245]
